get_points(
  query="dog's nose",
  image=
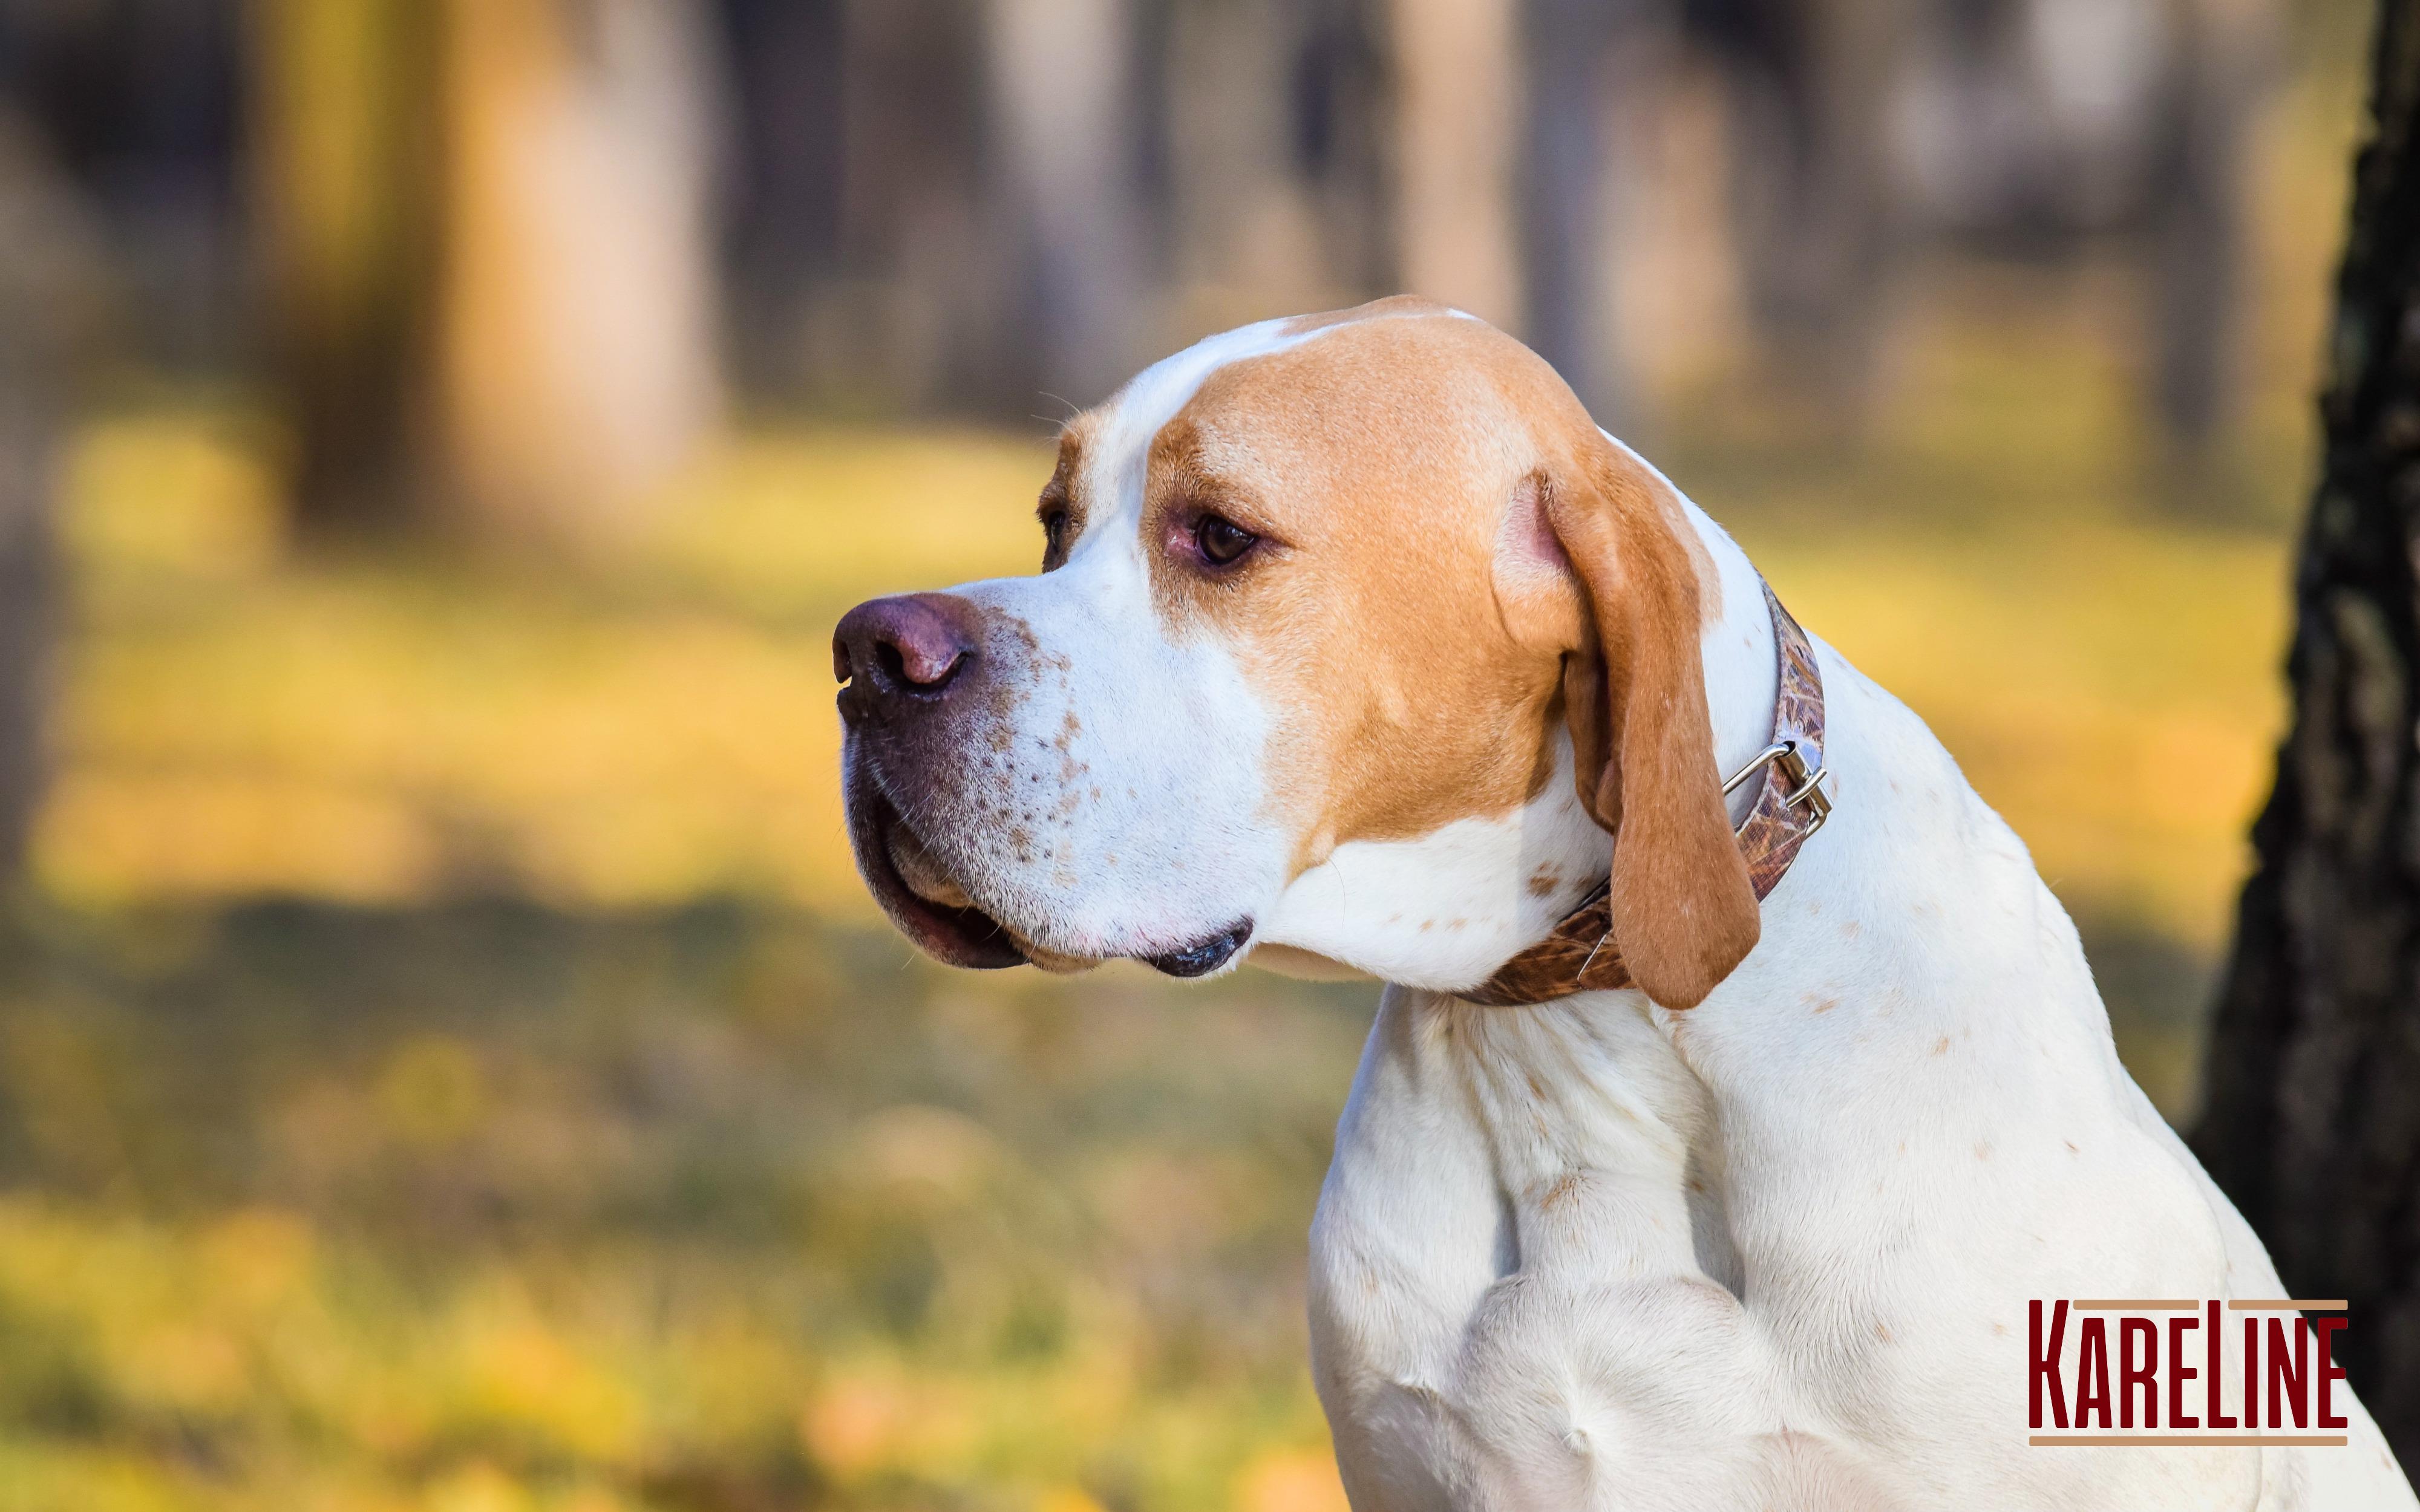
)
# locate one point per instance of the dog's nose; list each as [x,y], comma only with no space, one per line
[913,646]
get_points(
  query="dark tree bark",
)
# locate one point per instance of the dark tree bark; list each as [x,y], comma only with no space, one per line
[788,73]
[2313,1119]
[41,298]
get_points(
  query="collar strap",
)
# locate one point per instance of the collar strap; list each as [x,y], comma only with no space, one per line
[1580,956]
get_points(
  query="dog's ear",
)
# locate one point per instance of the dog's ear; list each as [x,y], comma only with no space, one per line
[1683,910]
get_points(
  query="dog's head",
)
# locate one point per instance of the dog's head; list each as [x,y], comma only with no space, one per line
[1319,601]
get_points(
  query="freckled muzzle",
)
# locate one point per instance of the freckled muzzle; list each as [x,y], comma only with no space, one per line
[912,668]
[977,818]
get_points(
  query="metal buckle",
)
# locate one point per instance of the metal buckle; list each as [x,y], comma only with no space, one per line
[1758,763]
[1805,786]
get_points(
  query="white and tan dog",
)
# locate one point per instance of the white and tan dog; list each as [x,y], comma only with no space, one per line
[1354,640]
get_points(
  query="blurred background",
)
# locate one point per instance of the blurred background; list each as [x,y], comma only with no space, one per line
[445,1059]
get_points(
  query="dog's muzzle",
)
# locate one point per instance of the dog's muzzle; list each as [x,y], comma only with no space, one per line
[909,664]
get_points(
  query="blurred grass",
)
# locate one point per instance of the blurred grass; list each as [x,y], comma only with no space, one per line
[489,1207]
[446,1062]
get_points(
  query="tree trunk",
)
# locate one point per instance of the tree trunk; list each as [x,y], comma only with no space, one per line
[44,323]
[345,170]
[487,230]
[1563,251]
[1241,220]
[1457,79]
[577,360]
[788,62]
[2313,1119]
[1061,107]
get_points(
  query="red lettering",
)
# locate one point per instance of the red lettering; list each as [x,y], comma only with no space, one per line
[2211,1411]
[2328,1369]
[2285,1382]
[2252,1372]
[2092,1373]
[2043,1363]
[2179,1373]
[2130,1374]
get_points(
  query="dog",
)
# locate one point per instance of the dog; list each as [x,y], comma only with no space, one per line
[1691,1164]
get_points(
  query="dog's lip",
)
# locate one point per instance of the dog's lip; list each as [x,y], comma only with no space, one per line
[959,936]
[1204,955]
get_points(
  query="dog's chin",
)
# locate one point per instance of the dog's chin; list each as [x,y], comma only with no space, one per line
[930,909]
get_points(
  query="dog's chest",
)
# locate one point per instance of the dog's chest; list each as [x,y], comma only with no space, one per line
[1523,1287]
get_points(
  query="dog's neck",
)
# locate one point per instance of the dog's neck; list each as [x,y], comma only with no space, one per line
[1737,645]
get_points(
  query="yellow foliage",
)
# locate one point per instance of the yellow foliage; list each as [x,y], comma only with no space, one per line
[192,495]
[1300,1480]
[858,1424]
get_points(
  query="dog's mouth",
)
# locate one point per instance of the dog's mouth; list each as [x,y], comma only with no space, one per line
[927,904]
[933,909]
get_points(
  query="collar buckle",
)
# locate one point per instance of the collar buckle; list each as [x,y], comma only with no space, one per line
[1805,787]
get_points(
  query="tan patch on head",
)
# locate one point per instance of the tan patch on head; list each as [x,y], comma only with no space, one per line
[1454,557]
[1376,462]
[1065,495]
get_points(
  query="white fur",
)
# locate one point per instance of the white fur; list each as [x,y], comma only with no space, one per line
[1775,1251]
[1436,911]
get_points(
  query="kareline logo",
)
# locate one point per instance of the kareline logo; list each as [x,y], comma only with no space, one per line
[2179,1395]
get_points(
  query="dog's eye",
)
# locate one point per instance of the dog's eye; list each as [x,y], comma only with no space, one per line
[1222,541]
[1054,534]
